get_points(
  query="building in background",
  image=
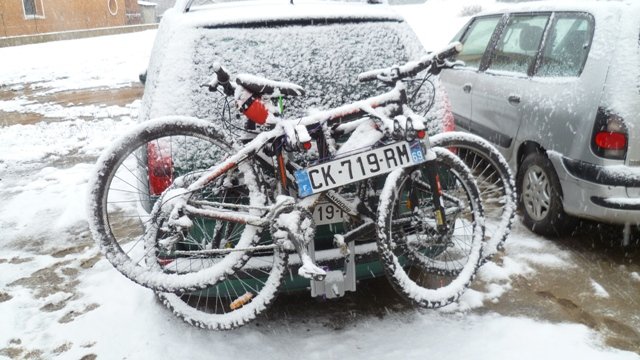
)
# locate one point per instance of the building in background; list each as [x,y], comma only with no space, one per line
[148,11]
[29,17]
[161,6]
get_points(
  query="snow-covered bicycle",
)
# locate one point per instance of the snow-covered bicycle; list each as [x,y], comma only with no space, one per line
[178,206]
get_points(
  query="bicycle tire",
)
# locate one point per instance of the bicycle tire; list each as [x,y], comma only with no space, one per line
[211,309]
[405,253]
[129,236]
[495,182]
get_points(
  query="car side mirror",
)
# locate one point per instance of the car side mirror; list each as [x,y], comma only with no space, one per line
[143,77]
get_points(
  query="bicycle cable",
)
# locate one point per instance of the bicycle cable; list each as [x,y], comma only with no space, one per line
[432,100]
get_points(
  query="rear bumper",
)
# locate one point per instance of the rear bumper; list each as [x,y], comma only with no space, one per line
[609,176]
[597,192]
[617,203]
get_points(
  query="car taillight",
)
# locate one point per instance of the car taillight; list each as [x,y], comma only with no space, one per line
[611,140]
[160,166]
[448,122]
[610,136]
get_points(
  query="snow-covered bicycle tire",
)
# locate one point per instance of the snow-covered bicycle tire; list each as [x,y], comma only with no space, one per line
[209,312]
[144,269]
[495,182]
[399,263]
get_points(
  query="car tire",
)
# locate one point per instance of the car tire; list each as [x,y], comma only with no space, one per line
[540,197]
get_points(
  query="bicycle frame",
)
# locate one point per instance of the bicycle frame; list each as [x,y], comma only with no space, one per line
[290,218]
[380,109]
[185,250]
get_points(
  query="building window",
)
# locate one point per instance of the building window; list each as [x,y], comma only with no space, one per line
[33,9]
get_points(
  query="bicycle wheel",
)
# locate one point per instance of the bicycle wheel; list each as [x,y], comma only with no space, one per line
[425,267]
[129,182]
[495,182]
[236,300]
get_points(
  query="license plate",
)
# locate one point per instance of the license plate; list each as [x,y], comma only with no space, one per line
[328,213]
[353,168]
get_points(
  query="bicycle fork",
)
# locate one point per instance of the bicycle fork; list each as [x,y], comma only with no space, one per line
[433,179]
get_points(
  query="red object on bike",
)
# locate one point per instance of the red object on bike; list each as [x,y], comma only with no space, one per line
[160,166]
[255,110]
[421,134]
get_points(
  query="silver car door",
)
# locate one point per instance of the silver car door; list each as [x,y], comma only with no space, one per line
[460,80]
[500,91]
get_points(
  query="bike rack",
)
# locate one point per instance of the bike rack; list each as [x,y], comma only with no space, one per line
[338,281]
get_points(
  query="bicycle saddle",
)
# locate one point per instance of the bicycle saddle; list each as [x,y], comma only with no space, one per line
[262,86]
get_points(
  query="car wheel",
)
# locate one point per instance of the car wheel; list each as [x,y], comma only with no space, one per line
[541,197]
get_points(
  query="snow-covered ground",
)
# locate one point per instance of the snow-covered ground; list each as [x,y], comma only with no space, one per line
[60,299]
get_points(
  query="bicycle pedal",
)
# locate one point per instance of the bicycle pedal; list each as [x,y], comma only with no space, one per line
[310,270]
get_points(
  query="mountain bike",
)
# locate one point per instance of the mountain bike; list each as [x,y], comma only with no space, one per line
[199,213]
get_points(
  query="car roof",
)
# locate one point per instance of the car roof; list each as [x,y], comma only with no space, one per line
[269,11]
[595,7]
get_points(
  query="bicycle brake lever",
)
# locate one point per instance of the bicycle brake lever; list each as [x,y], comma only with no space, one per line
[450,64]
[212,85]
[392,76]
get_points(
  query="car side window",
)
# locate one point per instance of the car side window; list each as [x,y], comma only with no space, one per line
[519,42]
[476,39]
[567,46]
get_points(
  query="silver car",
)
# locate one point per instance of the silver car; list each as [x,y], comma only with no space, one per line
[557,88]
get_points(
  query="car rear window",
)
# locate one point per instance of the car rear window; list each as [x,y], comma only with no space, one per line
[324,59]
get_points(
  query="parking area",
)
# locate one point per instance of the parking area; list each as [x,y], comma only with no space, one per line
[64,300]
[586,278]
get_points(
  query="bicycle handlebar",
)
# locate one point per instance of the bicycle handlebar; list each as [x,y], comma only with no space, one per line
[223,79]
[413,67]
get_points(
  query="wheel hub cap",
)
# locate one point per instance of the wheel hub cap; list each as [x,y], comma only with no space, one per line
[535,193]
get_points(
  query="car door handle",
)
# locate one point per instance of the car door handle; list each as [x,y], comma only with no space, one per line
[466,88]
[514,99]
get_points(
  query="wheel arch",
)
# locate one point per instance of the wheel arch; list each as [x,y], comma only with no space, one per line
[528,147]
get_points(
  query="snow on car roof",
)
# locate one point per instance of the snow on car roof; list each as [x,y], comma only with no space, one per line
[594,7]
[240,12]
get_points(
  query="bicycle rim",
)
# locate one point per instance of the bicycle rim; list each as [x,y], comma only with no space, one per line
[429,268]
[236,300]
[131,179]
[495,183]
